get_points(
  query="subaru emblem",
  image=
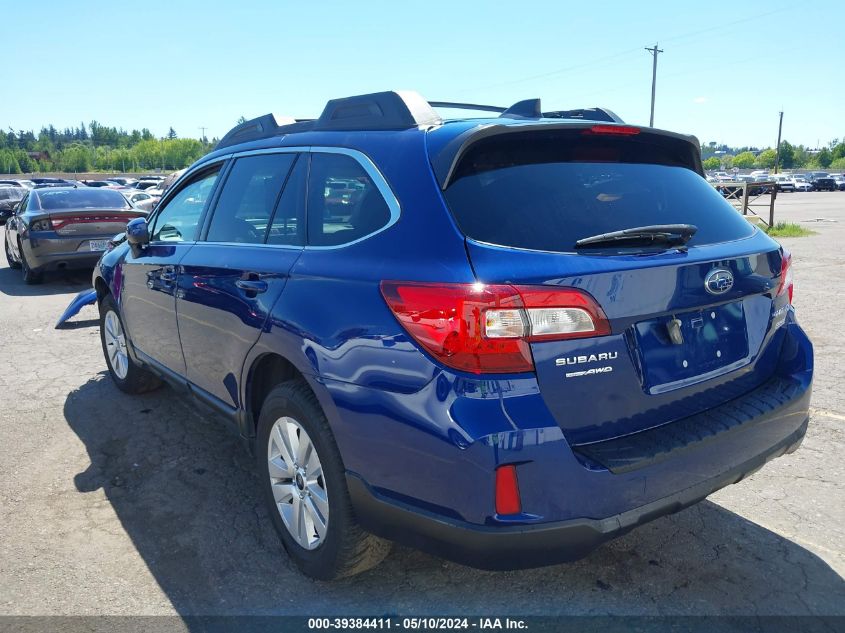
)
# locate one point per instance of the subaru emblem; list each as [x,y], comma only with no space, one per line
[718,281]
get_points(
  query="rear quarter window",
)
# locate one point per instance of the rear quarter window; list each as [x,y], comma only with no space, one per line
[546,192]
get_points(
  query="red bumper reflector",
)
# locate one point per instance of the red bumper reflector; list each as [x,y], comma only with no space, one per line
[507,491]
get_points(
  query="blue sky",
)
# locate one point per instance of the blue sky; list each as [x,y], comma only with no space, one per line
[728,68]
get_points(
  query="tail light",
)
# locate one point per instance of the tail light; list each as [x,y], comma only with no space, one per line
[786,279]
[488,328]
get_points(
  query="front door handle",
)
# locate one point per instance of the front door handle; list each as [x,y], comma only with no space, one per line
[168,276]
[253,286]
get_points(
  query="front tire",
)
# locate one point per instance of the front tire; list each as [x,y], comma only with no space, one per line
[128,375]
[304,485]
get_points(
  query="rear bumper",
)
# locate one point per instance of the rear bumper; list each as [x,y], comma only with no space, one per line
[53,253]
[573,502]
[526,546]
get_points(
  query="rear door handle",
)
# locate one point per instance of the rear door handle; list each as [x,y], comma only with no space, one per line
[252,285]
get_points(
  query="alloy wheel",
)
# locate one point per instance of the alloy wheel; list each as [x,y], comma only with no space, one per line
[116,345]
[297,482]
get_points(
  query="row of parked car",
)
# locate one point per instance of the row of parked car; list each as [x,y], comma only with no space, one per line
[787,182]
[143,192]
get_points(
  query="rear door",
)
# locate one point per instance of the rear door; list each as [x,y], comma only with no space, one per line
[691,325]
[149,277]
[234,275]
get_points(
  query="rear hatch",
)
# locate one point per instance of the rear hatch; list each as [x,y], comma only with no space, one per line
[692,320]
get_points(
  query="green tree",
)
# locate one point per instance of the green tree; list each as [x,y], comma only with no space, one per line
[171,134]
[838,164]
[744,160]
[787,155]
[75,158]
[712,163]
[8,162]
[824,158]
[26,163]
[766,158]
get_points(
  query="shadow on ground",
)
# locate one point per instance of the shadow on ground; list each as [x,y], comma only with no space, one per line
[59,282]
[184,491]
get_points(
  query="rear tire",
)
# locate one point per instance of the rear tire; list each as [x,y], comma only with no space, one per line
[12,263]
[128,375]
[30,276]
[343,548]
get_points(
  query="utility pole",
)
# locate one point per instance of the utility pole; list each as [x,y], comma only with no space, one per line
[654,51]
[202,138]
[777,154]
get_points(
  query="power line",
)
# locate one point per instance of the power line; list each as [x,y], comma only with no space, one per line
[602,60]
[654,52]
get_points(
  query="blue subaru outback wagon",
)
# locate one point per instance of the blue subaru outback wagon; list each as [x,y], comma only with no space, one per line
[503,340]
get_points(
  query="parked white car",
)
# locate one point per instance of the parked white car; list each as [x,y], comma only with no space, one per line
[140,199]
[801,184]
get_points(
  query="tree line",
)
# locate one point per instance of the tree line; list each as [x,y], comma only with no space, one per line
[791,157]
[96,147]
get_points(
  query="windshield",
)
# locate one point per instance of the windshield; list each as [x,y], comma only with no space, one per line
[535,196]
[88,198]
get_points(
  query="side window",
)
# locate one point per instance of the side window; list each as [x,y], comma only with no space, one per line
[249,195]
[288,225]
[178,220]
[343,202]
[24,204]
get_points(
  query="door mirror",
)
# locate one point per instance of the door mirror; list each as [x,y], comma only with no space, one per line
[137,232]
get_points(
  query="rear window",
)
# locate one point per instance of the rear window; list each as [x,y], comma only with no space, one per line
[87,198]
[11,193]
[547,192]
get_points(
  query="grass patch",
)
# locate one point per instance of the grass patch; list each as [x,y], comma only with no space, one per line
[784,229]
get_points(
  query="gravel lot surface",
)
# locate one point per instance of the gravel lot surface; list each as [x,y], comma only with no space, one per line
[113,504]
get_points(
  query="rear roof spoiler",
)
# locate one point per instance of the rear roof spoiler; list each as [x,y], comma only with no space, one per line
[445,161]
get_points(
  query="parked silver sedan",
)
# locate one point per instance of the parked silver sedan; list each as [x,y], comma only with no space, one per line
[64,227]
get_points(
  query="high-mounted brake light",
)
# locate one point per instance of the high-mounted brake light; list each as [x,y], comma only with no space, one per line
[618,130]
[787,282]
[488,328]
[507,491]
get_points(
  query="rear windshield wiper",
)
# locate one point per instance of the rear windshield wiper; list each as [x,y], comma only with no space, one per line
[662,234]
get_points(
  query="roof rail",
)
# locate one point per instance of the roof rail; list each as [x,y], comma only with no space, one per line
[531,109]
[393,110]
[466,106]
[254,129]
